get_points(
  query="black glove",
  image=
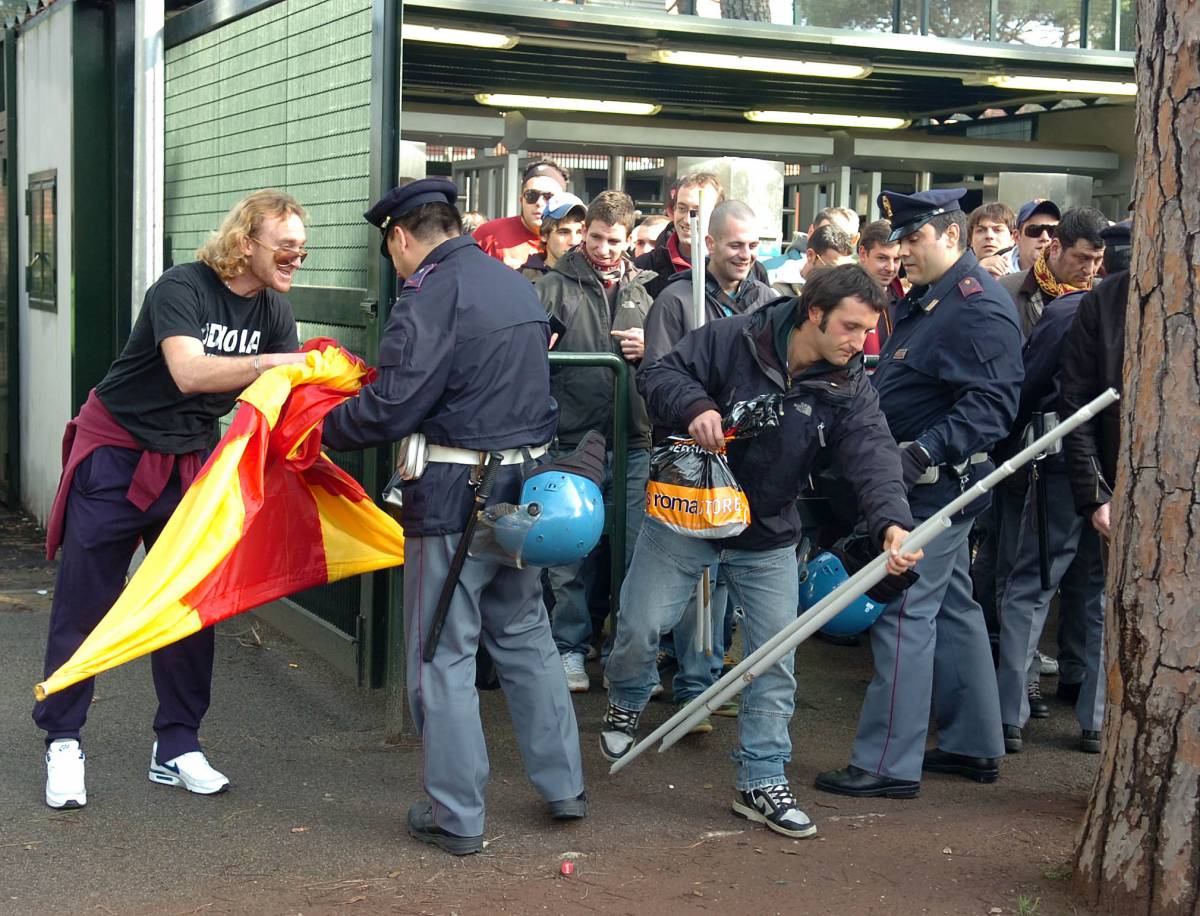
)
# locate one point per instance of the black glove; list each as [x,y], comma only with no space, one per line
[913,462]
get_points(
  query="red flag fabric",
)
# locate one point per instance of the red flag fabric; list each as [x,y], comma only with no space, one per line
[267,516]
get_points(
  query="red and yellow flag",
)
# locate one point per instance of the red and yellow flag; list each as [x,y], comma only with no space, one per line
[267,516]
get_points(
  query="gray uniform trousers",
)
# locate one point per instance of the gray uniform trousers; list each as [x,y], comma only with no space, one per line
[501,608]
[1075,553]
[931,649]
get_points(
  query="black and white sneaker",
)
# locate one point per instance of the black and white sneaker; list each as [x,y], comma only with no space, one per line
[776,807]
[618,732]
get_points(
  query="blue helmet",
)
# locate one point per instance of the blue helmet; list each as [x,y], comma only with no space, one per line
[560,517]
[826,573]
[568,519]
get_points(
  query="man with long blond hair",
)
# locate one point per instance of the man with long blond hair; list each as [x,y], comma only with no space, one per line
[207,329]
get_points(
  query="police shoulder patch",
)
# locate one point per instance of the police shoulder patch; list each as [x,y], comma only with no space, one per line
[970,286]
[415,281]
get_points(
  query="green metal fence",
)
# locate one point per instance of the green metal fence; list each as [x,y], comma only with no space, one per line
[281,98]
[614,512]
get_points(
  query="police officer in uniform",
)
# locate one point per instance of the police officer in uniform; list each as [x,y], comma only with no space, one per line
[948,380]
[463,362]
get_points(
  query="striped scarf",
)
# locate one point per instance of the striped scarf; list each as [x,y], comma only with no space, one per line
[610,273]
[1050,286]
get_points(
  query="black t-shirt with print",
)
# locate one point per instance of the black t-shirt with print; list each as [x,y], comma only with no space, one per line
[189,300]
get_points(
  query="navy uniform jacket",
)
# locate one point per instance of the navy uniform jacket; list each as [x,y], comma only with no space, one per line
[828,409]
[1042,356]
[463,359]
[950,374]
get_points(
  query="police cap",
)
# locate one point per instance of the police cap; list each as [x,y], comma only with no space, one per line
[1118,233]
[909,212]
[405,199]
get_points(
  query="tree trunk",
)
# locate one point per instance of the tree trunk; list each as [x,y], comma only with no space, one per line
[1139,850]
[754,10]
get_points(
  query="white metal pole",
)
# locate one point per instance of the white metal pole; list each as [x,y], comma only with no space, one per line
[149,141]
[786,640]
[701,641]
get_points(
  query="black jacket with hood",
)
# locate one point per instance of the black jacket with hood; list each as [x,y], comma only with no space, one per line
[826,409]
[580,313]
[1092,360]
[671,315]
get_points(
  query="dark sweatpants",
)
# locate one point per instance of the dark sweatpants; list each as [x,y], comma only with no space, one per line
[99,540]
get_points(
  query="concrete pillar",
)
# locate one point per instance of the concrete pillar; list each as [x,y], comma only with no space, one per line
[810,203]
[923,181]
[412,159]
[616,173]
[874,188]
[510,184]
[756,182]
[841,189]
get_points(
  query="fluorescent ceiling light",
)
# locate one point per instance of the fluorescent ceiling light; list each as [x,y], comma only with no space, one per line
[467,37]
[823,119]
[596,106]
[784,65]
[1055,84]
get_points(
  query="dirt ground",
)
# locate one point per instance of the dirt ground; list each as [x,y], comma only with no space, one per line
[314,821]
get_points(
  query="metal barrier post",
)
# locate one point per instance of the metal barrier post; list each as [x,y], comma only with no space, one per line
[614,520]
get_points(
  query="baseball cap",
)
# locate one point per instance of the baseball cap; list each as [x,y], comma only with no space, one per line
[561,204]
[1037,205]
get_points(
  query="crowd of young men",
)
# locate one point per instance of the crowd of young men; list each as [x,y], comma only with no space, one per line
[982,328]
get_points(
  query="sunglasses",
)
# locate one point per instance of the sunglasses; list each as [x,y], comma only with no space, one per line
[282,254]
[532,197]
[1036,231]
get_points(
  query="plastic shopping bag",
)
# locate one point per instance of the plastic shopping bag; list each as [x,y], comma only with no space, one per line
[693,491]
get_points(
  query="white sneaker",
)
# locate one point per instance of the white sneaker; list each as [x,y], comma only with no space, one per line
[776,807]
[65,787]
[190,770]
[1048,665]
[577,678]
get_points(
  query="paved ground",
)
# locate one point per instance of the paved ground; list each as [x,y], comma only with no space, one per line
[314,821]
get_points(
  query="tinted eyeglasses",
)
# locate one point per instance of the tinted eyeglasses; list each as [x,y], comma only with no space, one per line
[532,196]
[1038,229]
[283,255]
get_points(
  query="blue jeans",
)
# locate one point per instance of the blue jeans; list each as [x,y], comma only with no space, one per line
[696,671]
[659,588]
[571,623]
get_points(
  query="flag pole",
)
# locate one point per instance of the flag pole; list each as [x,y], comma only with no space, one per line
[787,639]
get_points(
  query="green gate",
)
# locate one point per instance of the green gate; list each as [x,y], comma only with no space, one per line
[279,95]
[9,342]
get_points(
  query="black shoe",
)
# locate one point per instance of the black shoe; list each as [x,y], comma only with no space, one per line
[1012,739]
[1038,707]
[1068,693]
[618,732]
[980,769]
[421,827]
[1089,742]
[570,809]
[776,807]
[858,783]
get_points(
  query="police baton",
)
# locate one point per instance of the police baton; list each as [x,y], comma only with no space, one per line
[482,492]
[786,640]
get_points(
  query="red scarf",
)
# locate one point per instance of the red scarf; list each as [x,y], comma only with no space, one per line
[608,273]
[681,263]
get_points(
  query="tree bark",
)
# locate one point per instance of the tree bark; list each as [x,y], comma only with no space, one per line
[753,10]
[1139,849]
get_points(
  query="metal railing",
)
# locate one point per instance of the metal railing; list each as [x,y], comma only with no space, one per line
[614,516]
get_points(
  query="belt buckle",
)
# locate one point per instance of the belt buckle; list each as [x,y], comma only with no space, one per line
[477,470]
